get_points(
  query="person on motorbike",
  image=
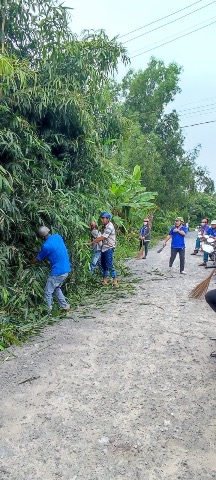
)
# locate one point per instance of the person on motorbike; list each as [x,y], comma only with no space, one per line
[202,232]
[212,233]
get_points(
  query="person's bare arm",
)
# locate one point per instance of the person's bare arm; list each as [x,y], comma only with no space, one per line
[180,231]
[167,239]
[96,240]
[34,261]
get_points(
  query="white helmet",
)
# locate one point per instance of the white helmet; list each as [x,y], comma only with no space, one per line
[43,231]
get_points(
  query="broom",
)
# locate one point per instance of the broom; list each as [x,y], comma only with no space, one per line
[202,287]
[140,253]
[160,249]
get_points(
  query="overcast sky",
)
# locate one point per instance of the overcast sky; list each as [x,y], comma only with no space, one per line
[195,53]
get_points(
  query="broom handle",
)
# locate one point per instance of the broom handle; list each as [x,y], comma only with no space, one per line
[214,271]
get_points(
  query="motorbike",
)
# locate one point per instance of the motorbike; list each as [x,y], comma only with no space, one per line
[209,246]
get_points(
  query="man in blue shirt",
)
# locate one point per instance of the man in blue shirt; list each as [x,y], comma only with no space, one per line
[55,251]
[177,233]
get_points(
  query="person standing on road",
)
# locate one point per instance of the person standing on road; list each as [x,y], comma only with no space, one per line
[177,234]
[55,251]
[108,239]
[145,236]
[96,247]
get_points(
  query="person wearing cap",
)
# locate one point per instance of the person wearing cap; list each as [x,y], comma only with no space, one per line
[177,234]
[96,247]
[55,251]
[108,239]
[211,231]
[202,231]
[145,236]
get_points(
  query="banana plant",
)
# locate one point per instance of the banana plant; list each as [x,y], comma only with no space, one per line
[129,195]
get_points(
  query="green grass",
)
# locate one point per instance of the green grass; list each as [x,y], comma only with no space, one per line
[26,315]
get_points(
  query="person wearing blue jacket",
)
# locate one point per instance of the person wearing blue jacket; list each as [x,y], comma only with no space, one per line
[55,251]
[145,236]
[177,234]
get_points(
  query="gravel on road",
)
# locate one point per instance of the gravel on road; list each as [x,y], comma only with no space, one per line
[121,389]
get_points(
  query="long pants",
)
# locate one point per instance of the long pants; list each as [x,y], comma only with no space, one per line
[53,286]
[107,263]
[197,247]
[197,244]
[96,260]
[144,244]
[211,299]
[181,252]
[205,257]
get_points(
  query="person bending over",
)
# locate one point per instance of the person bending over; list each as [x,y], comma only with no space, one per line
[55,251]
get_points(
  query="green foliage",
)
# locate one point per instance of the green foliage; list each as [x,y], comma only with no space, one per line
[33,27]
[202,206]
[73,142]
[148,92]
[129,198]
[155,140]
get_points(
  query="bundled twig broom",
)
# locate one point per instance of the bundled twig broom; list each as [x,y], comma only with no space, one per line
[140,253]
[202,287]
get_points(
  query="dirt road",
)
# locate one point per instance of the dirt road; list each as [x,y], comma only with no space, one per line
[125,391]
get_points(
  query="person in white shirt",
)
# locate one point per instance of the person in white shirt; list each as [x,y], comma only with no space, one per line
[108,238]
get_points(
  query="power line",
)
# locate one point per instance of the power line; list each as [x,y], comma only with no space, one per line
[188,113]
[168,23]
[159,19]
[205,112]
[188,110]
[173,35]
[196,101]
[201,123]
[177,38]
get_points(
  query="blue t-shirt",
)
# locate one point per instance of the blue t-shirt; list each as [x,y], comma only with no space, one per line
[178,240]
[211,231]
[55,250]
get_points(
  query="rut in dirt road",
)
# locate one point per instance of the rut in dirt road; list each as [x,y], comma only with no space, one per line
[122,391]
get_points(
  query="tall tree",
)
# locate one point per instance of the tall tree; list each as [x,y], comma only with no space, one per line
[31,28]
[148,92]
[155,140]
